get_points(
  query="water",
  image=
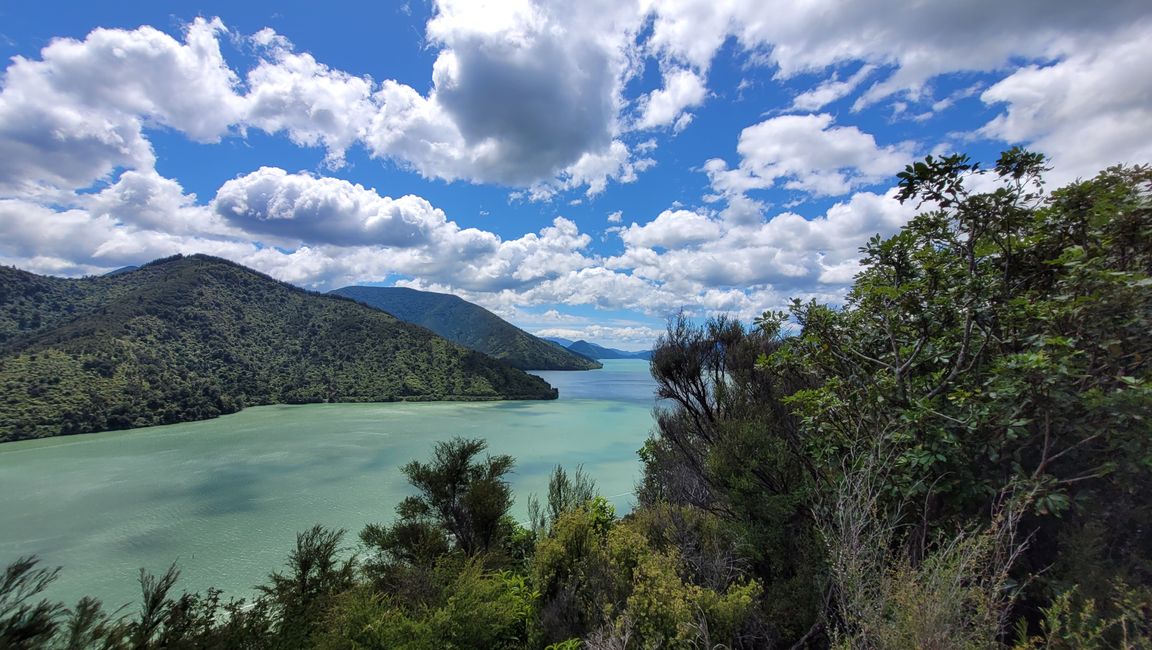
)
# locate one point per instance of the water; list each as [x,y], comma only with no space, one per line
[225,497]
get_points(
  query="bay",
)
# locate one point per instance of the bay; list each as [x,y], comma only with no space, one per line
[224,498]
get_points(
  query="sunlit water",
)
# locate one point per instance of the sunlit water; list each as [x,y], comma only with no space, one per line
[225,497]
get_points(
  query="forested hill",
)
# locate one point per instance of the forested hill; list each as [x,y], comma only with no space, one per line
[470,325]
[189,338]
[600,352]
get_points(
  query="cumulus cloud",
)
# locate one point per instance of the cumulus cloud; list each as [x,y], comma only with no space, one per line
[147,200]
[913,44]
[1087,111]
[76,241]
[333,233]
[314,104]
[671,229]
[683,89]
[522,93]
[806,153]
[594,171]
[305,208]
[78,113]
[82,110]
[408,235]
[785,254]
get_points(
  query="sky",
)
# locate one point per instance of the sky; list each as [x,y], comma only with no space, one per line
[583,169]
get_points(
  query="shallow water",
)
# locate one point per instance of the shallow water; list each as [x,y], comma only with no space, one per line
[225,497]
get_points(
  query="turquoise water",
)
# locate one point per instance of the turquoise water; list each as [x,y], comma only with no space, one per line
[224,498]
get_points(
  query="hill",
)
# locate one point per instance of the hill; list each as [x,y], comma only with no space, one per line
[469,325]
[188,338]
[600,352]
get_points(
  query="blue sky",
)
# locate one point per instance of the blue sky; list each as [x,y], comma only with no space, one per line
[582,169]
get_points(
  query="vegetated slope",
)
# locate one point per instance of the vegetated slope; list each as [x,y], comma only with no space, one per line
[189,338]
[600,352]
[469,325]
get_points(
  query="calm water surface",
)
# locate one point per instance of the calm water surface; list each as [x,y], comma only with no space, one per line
[225,497]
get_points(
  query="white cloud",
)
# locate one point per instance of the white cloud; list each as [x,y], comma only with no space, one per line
[533,94]
[809,154]
[75,241]
[683,89]
[786,254]
[304,208]
[691,31]
[76,114]
[565,65]
[915,44]
[671,229]
[81,112]
[365,233]
[1087,111]
[147,200]
[624,337]
[314,104]
[831,90]
[555,316]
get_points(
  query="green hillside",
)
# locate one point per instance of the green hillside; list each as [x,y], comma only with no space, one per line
[594,351]
[189,338]
[469,325]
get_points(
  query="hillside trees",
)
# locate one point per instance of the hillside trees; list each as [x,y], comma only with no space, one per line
[189,338]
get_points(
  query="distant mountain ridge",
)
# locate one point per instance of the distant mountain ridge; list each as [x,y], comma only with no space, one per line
[469,325]
[595,351]
[188,338]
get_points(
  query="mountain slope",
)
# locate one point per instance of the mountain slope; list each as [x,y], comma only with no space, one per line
[188,338]
[600,352]
[469,325]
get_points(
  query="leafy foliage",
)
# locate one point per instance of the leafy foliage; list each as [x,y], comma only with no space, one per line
[565,494]
[462,505]
[993,352]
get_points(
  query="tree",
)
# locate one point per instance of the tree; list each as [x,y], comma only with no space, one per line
[462,505]
[316,575]
[728,444]
[998,345]
[565,494]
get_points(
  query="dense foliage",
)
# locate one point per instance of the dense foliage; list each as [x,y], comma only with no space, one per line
[469,325]
[193,337]
[962,444]
[958,457]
